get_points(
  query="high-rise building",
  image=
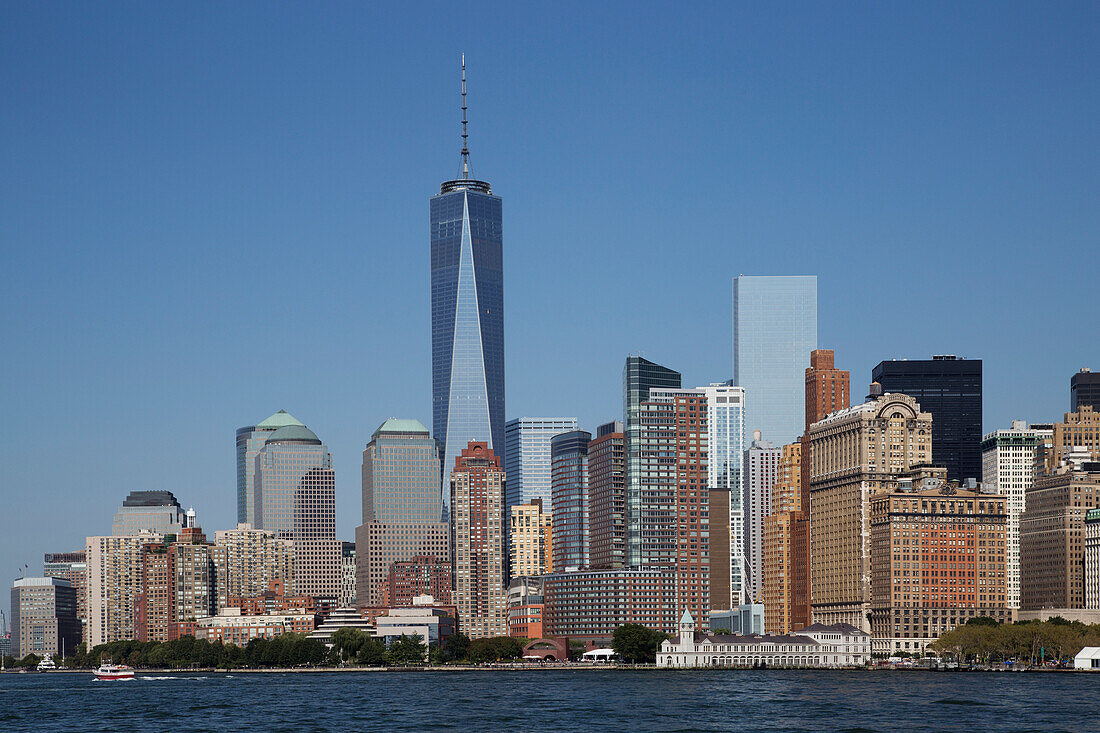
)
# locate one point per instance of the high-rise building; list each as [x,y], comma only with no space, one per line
[402,506]
[778,547]
[607,497]
[1084,390]
[640,376]
[827,390]
[530,539]
[467,312]
[1092,558]
[179,583]
[726,485]
[589,605]
[1078,431]
[1052,560]
[1009,459]
[251,560]
[423,575]
[477,536]
[527,457]
[950,389]
[347,568]
[569,456]
[114,580]
[249,441]
[856,453]
[937,561]
[149,511]
[43,617]
[692,503]
[296,498]
[774,327]
[73,567]
[761,471]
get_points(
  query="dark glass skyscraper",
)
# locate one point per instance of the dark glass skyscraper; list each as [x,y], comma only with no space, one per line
[467,313]
[951,389]
[1084,389]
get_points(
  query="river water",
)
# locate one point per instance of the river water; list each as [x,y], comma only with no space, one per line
[688,700]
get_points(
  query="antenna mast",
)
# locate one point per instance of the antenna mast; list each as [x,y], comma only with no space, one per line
[465,149]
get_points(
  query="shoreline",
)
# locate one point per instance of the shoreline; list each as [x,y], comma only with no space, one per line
[524,668]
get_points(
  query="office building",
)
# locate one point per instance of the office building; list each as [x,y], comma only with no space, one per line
[402,506]
[1009,460]
[640,376]
[527,457]
[937,561]
[1078,431]
[296,498]
[249,441]
[1052,527]
[827,391]
[607,497]
[570,508]
[778,552]
[949,389]
[432,623]
[774,327]
[73,567]
[477,536]
[1091,547]
[347,568]
[43,617]
[589,605]
[1084,390]
[530,540]
[467,313]
[114,580]
[149,511]
[726,484]
[761,471]
[856,453]
[526,607]
[423,575]
[251,560]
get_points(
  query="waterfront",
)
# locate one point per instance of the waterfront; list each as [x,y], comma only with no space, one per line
[554,700]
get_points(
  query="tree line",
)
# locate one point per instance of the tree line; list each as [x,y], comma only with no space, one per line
[984,640]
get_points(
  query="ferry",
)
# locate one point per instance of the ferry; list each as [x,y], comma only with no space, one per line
[47,664]
[108,671]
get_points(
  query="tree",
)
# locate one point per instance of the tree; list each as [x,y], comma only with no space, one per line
[637,644]
[346,642]
[407,649]
[983,621]
[494,649]
[455,649]
[372,653]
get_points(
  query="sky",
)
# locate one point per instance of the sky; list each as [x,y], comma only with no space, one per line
[213,211]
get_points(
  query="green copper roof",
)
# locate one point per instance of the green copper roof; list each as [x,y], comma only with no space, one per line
[294,434]
[280,419]
[394,425]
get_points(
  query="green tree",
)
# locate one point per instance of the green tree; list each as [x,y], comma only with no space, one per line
[983,621]
[637,644]
[455,649]
[346,642]
[372,653]
[407,649]
[494,649]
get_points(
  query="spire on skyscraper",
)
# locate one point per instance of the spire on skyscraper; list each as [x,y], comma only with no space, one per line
[465,149]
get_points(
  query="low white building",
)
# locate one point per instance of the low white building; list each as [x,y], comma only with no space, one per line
[1088,658]
[839,645]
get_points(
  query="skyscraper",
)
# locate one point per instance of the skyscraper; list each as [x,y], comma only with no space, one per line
[761,471]
[43,617]
[774,327]
[569,453]
[530,540]
[478,539]
[296,498]
[639,377]
[149,511]
[249,441]
[1084,389]
[950,389]
[402,506]
[467,312]
[725,482]
[527,460]
[607,497]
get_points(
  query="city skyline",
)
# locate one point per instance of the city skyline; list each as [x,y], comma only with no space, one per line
[119,321]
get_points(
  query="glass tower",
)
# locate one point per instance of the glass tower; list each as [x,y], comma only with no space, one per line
[467,314]
[249,441]
[774,331]
[527,457]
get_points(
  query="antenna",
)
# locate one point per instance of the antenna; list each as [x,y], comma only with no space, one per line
[465,149]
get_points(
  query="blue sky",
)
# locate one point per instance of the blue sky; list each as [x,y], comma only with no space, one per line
[212,211]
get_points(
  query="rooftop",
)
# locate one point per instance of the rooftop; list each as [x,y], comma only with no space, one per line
[280,419]
[151,498]
[398,425]
[294,434]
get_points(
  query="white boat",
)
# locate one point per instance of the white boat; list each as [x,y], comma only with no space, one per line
[108,671]
[47,664]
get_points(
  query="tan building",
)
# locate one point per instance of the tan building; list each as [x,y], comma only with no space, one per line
[1078,431]
[530,539]
[856,453]
[477,509]
[778,547]
[1052,534]
[251,559]
[937,561]
[114,579]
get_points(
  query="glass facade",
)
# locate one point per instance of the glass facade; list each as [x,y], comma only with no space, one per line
[951,389]
[726,440]
[467,319]
[571,501]
[401,475]
[249,441]
[527,457]
[774,331]
[639,377]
